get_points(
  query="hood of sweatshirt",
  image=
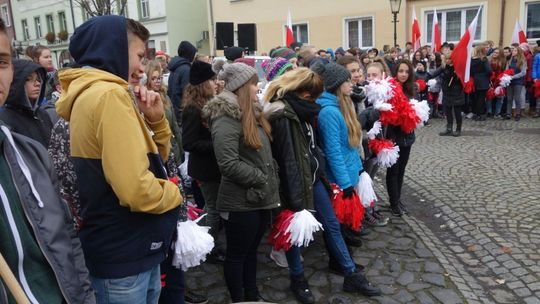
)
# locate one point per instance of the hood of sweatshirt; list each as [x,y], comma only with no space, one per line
[17,97]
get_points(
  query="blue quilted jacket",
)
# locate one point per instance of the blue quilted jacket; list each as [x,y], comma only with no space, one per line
[343,161]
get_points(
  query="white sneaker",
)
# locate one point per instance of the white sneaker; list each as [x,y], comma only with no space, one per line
[470,115]
[279,258]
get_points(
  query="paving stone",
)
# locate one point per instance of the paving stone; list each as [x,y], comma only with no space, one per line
[340,299]
[534,286]
[404,296]
[386,280]
[319,278]
[414,267]
[423,253]
[386,300]
[424,298]
[414,287]
[502,296]
[405,278]
[523,292]
[435,279]
[532,300]
[432,267]
[447,296]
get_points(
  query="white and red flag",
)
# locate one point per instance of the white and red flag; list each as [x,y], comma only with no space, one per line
[518,36]
[436,33]
[461,56]
[415,32]
[288,31]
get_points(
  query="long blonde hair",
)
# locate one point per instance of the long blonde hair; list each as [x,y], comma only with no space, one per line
[298,81]
[349,114]
[151,67]
[249,117]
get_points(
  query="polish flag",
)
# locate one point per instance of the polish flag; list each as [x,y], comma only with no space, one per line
[415,32]
[436,33]
[519,35]
[289,31]
[461,56]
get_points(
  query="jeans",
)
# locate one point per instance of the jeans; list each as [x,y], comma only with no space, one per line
[332,230]
[244,231]
[515,93]
[395,175]
[295,263]
[142,288]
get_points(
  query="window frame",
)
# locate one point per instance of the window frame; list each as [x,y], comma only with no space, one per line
[37,27]
[481,31]
[62,22]
[50,26]
[298,24]
[25,29]
[142,11]
[525,6]
[359,19]
[7,19]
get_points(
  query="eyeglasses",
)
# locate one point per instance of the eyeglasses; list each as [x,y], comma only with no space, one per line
[34,81]
[157,78]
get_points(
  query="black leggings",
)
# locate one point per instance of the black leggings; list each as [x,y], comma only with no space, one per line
[479,102]
[450,111]
[395,174]
[244,231]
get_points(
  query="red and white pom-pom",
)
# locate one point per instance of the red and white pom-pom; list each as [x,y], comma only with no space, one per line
[499,91]
[431,83]
[348,211]
[421,83]
[422,110]
[387,152]
[505,78]
[375,130]
[490,94]
[193,243]
[382,106]
[278,236]
[379,90]
[193,212]
[364,188]
[302,227]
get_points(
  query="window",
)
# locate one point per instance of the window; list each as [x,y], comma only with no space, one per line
[26,32]
[62,21]
[50,23]
[453,23]
[532,25]
[4,10]
[300,33]
[359,32]
[37,23]
[145,9]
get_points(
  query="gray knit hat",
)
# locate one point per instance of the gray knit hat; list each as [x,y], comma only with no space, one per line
[333,75]
[236,75]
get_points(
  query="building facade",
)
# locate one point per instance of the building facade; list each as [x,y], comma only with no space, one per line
[171,21]
[6,15]
[367,24]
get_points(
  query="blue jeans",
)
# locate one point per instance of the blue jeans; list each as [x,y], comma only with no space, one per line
[142,288]
[295,263]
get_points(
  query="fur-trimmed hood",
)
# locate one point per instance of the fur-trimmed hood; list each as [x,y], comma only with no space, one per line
[224,104]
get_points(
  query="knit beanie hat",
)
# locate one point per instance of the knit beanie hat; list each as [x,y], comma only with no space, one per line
[234,52]
[340,51]
[236,75]
[275,67]
[333,75]
[283,53]
[200,72]
[245,60]
[187,50]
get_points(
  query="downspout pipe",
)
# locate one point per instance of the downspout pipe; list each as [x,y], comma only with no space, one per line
[501,24]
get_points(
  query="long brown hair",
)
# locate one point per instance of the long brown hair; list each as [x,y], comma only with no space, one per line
[354,132]
[409,85]
[250,119]
[520,57]
[500,61]
[197,95]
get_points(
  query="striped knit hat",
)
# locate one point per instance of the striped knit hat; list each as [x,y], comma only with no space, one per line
[275,67]
[283,52]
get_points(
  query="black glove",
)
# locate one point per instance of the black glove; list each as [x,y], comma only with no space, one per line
[348,192]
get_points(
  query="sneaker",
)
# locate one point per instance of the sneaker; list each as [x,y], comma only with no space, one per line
[498,116]
[300,289]
[253,295]
[279,258]
[403,208]
[396,211]
[507,117]
[380,216]
[456,133]
[357,282]
[448,132]
[191,297]
[372,220]
[469,116]
[216,257]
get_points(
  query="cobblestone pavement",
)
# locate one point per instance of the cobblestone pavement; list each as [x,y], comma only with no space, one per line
[473,235]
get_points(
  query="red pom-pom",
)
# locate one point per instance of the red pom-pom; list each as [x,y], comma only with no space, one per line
[468,87]
[490,94]
[279,237]
[174,179]
[537,88]
[421,85]
[377,145]
[348,211]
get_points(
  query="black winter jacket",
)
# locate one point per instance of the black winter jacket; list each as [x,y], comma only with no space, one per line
[18,113]
[451,86]
[197,140]
[481,73]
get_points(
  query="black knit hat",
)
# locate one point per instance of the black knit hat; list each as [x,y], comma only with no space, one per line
[234,52]
[333,75]
[200,72]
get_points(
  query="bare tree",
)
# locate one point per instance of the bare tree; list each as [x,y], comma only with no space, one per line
[102,7]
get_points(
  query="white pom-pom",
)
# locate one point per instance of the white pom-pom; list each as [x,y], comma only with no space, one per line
[388,157]
[505,80]
[379,90]
[373,132]
[364,188]
[422,110]
[432,82]
[382,106]
[302,227]
[183,169]
[192,245]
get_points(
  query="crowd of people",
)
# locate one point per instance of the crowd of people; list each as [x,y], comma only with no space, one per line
[91,153]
